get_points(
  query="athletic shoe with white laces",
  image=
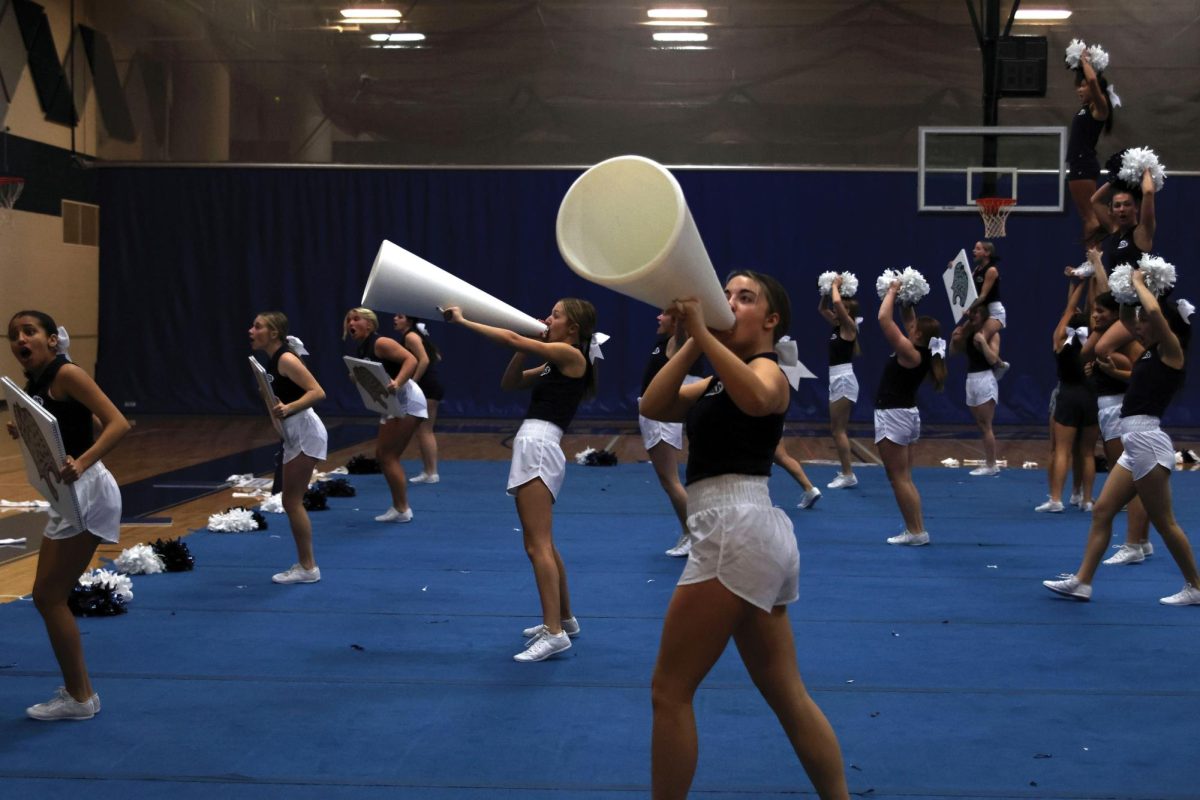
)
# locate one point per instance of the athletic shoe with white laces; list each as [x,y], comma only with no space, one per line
[910,539]
[842,482]
[570,628]
[1070,586]
[985,471]
[682,547]
[543,646]
[1147,549]
[1187,596]
[1051,506]
[425,478]
[1077,499]
[809,498]
[1126,554]
[392,515]
[63,706]
[1087,507]
[298,574]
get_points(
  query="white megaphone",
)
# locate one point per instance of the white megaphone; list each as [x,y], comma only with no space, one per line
[624,224]
[404,283]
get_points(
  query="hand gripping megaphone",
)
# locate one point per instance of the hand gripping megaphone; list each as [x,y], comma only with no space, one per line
[624,224]
[407,284]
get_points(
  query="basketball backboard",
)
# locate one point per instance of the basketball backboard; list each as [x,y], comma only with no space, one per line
[955,166]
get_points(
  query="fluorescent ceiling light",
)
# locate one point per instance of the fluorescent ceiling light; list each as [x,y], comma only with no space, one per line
[397,37]
[680,36]
[372,14]
[1043,14]
[679,23]
[677,13]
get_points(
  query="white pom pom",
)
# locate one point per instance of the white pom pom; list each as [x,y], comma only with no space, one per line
[1075,52]
[884,281]
[235,520]
[120,585]
[1158,274]
[1084,270]
[1099,58]
[825,282]
[1120,285]
[913,286]
[139,560]
[1137,160]
[849,284]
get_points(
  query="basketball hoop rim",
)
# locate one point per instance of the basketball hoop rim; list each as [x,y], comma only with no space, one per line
[994,204]
[10,179]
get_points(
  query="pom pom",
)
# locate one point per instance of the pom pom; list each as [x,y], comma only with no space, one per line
[362,465]
[1098,57]
[139,560]
[1074,53]
[272,505]
[591,457]
[100,593]
[1120,285]
[913,286]
[1084,270]
[825,282]
[235,520]
[175,554]
[884,282]
[849,284]
[1137,160]
[315,499]
[338,487]
[1158,274]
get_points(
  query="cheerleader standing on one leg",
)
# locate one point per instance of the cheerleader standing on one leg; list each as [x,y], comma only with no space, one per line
[982,390]
[1144,469]
[70,394]
[394,432]
[1083,168]
[305,440]
[897,419]
[417,341]
[842,314]
[538,464]
[1075,420]
[744,566]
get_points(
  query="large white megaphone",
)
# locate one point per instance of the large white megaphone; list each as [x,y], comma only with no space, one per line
[404,283]
[624,224]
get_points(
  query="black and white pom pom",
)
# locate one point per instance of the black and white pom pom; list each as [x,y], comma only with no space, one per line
[139,560]
[175,554]
[1074,53]
[100,593]
[362,465]
[1137,160]
[1098,57]
[315,499]
[338,487]
[591,457]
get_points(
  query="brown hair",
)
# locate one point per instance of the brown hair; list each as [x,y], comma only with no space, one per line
[778,301]
[930,328]
[583,315]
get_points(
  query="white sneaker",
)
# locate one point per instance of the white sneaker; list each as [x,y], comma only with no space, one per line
[910,539]
[1126,554]
[425,478]
[63,706]
[570,628]
[842,482]
[392,515]
[1147,549]
[544,646]
[298,574]
[1077,499]
[1087,507]
[682,547]
[985,470]
[1070,586]
[1187,596]
[1051,506]
[809,498]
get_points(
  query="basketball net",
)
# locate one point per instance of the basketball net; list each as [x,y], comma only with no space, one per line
[10,190]
[994,211]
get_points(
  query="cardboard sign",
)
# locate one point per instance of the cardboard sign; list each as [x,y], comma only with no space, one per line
[372,381]
[267,394]
[960,287]
[43,451]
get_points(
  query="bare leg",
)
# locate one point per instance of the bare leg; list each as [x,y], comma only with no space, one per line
[1064,446]
[983,418]
[665,459]
[296,475]
[1118,490]
[792,466]
[427,442]
[897,461]
[839,421]
[1081,194]
[1137,522]
[1155,490]
[394,436]
[60,563]
[1085,457]
[535,507]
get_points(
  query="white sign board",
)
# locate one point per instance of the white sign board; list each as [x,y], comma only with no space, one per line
[43,451]
[960,287]
[372,381]
[267,393]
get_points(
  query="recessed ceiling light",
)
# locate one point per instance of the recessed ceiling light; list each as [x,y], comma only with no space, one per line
[677,13]
[680,36]
[397,37]
[374,14]
[1042,14]
[679,23]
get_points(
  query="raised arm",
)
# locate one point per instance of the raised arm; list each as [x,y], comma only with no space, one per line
[1071,309]
[1143,234]
[1169,350]
[1093,82]
[1101,208]
[666,398]
[568,358]
[906,352]
[825,309]
[843,317]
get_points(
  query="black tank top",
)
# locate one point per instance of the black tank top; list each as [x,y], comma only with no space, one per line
[899,384]
[366,351]
[285,389]
[1068,364]
[976,360]
[840,351]
[978,274]
[724,440]
[1151,386]
[1081,142]
[556,397]
[658,360]
[1102,383]
[430,376]
[74,418]
[1118,248]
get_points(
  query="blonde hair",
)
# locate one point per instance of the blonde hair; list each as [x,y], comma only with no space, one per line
[583,315]
[366,314]
[276,321]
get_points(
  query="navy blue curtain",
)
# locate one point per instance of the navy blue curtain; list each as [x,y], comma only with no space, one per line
[189,256]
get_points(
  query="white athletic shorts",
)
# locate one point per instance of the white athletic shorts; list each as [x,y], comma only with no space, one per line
[1109,414]
[981,387]
[843,383]
[1146,446]
[304,433]
[654,432]
[743,541]
[996,311]
[900,425]
[99,506]
[412,403]
[537,453]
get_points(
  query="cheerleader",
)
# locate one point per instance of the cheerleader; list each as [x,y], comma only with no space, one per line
[842,314]
[1095,116]
[416,340]
[1127,216]
[559,383]
[743,569]
[304,438]
[1144,468]
[395,433]
[70,394]
[986,276]
[982,390]
[897,419]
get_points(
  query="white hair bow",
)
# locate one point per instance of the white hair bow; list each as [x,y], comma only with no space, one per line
[1081,332]
[858,321]
[598,339]
[1186,310]
[937,346]
[421,327]
[64,340]
[1113,99]
[296,345]
[789,362]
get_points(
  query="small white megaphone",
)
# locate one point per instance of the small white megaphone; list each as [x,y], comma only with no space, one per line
[624,224]
[407,284]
